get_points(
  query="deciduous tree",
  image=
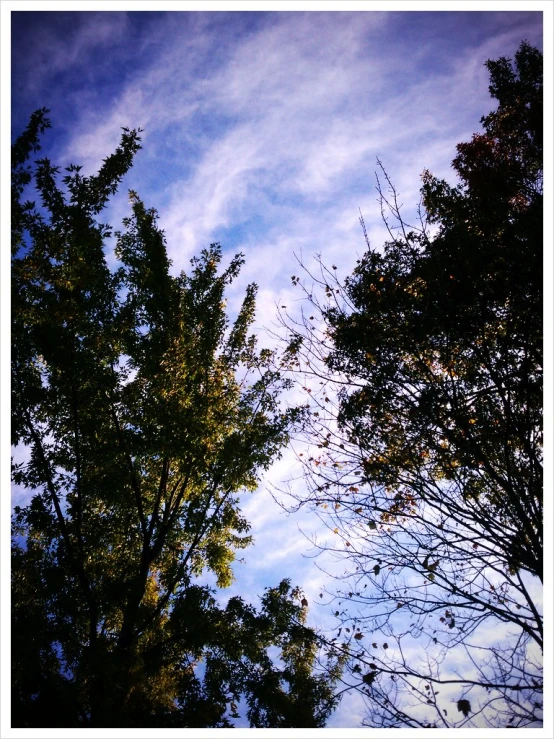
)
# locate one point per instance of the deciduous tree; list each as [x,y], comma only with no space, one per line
[145,415]
[424,378]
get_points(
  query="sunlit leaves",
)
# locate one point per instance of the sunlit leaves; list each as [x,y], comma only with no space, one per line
[147,413]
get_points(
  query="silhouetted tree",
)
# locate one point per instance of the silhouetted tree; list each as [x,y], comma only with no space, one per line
[423,373]
[145,415]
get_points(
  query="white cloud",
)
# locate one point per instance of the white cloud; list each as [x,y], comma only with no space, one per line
[263,133]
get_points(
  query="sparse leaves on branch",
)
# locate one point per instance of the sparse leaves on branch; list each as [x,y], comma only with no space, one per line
[426,429]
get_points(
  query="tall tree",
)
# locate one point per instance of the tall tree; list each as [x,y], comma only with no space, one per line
[427,459]
[145,415]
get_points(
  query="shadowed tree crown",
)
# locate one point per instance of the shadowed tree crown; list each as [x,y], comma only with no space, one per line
[424,374]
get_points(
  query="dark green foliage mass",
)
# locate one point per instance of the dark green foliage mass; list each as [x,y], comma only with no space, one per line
[145,415]
[431,458]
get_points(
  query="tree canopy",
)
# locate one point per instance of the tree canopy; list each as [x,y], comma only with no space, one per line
[145,414]
[423,370]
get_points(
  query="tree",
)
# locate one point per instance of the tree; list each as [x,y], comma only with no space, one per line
[145,415]
[424,378]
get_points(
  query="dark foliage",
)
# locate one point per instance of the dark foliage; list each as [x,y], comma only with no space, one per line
[424,373]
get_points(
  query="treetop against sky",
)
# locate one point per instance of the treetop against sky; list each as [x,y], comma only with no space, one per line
[261,132]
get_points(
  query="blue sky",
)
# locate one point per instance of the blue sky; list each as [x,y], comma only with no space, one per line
[261,131]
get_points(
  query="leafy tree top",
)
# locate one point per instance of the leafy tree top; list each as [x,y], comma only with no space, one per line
[423,370]
[146,413]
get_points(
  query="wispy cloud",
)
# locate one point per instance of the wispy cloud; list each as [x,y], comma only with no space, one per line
[262,131]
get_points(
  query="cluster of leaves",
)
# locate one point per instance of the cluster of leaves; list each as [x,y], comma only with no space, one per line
[145,415]
[426,428]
